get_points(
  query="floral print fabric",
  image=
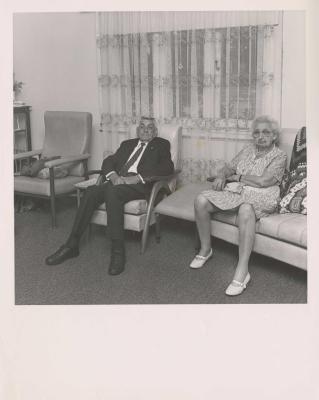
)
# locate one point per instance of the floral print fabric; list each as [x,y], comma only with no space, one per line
[247,162]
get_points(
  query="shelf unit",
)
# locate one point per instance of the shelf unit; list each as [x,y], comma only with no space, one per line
[22,131]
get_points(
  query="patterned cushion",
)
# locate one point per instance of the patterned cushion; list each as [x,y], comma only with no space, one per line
[299,151]
[294,187]
[59,171]
[295,200]
[37,169]
[36,166]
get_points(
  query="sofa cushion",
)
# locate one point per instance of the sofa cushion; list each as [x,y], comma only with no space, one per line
[291,228]
[136,207]
[180,204]
[229,217]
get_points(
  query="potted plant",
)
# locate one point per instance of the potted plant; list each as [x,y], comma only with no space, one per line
[17,87]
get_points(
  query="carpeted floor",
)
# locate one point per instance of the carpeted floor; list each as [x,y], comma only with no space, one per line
[160,276]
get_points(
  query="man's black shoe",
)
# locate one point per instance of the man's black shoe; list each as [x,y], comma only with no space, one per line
[62,254]
[117,264]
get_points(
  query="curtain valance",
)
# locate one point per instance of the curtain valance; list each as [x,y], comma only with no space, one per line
[113,23]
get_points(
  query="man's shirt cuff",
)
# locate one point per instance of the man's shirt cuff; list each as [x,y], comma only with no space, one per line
[109,174]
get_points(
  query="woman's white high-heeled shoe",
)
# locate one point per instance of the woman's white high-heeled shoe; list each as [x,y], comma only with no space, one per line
[237,287]
[199,261]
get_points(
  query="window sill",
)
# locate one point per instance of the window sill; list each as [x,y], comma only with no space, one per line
[219,135]
[210,135]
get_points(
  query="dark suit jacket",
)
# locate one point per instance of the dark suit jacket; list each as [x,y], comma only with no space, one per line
[156,159]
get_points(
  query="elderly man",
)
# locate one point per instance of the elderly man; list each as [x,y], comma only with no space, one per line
[127,174]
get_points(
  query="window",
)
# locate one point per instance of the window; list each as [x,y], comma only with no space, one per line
[212,79]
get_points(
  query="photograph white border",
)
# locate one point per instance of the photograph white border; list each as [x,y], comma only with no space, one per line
[163,351]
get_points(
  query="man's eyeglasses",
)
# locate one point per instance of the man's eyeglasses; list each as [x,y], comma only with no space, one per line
[149,128]
[265,132]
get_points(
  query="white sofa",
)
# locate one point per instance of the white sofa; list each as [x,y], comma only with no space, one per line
[280,236]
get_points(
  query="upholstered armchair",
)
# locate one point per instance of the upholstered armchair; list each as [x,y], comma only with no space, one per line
[139,214]
[67,135]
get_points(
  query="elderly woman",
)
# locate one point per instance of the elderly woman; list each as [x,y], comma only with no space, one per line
[249,184]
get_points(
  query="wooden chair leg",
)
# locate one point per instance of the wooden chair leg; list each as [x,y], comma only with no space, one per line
[52,198]
[145,237]
[150,209]
[146,230]
[157,228]
[53,212]
[197,240]
[89,232]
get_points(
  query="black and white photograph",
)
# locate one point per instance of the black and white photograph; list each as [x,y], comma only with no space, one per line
[155,237]
[160,157]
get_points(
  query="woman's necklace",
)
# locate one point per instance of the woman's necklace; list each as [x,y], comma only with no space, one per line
[263,152]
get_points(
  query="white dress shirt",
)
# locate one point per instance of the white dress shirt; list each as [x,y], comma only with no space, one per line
[133,167]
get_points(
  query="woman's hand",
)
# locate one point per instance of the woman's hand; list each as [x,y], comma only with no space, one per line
[233,178]
[219,184]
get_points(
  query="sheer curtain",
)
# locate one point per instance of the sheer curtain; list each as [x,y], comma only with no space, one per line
[211,72]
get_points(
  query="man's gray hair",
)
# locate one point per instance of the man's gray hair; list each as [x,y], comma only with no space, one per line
[149,118]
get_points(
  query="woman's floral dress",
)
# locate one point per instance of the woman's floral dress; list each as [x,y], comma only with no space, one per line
[247,162]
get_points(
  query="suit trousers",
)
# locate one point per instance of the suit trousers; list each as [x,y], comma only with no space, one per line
[115,197]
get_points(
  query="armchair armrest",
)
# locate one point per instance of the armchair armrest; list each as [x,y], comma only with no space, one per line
[95,171]
[157,187]
[100,179]
[26,154]
[65,160]
[163,178]
[150,179]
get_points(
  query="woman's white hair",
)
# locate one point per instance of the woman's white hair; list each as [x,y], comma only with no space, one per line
[273,124]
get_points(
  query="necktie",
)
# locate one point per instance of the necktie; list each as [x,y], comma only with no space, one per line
[131,161]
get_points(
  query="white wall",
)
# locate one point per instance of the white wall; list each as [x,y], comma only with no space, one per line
[55,54]
[293,71]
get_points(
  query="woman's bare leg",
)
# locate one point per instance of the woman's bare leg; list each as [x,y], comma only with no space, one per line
[247,227]
[203,209]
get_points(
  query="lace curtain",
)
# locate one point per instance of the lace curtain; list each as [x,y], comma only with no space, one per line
[211,72]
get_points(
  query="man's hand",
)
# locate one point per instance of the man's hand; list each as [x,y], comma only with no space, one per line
[219,184]
[121,180]
[131,180]
[116,179]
